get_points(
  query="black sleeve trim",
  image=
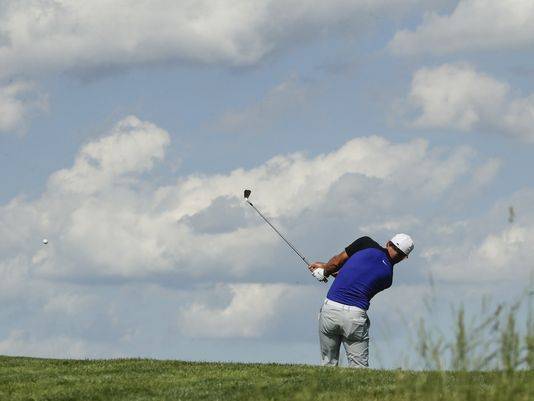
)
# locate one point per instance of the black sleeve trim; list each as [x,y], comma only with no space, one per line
[360,244]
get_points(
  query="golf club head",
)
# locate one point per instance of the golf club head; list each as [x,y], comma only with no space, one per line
[247,193]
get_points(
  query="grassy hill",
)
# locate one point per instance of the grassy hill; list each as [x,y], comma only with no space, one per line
[144,379]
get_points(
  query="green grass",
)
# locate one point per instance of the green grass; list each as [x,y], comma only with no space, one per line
[144,379]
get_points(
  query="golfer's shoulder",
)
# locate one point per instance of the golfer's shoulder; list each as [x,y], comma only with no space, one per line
[360,244]
[367,242]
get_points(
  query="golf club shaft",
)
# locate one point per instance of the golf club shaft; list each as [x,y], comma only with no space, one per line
[278,232]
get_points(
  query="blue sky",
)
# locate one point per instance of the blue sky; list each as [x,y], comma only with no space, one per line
[128,131]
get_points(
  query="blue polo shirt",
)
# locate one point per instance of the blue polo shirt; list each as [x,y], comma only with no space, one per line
[367,272]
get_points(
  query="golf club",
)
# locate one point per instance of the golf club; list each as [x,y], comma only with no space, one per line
[247,195]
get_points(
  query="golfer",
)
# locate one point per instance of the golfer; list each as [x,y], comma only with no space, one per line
[362,270]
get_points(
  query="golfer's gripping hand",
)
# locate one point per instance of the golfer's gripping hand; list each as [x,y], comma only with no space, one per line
[318,271]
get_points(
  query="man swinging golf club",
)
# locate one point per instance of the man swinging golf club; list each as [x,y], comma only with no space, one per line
[362,270]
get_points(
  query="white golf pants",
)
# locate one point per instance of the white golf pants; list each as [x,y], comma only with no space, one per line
[345,324]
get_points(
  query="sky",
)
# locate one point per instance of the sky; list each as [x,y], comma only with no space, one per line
[129,129]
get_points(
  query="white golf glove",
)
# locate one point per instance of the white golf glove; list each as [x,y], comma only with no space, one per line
[319,274]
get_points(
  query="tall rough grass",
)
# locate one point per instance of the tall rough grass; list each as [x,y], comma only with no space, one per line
[529,336]
[495,339]
[492,338]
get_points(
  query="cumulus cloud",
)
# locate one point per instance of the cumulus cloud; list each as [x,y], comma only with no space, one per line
[104,220]
[131,147]
[251,310]
[473,25]
[500,256]
[41,36]
[457,96]
[19,100]
[492,250]
[193,251]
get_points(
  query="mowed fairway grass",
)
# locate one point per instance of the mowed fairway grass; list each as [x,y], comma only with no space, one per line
[144,379]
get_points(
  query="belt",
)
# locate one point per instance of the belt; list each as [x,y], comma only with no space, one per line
[343,306]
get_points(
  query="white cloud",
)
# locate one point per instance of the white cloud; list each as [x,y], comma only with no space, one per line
[18,101]
[105,220]
[132,147]
[498,250]
[109,224]
[472,26]
[456,96]
[41,36]
[252,309]
[499,257]
[491,249]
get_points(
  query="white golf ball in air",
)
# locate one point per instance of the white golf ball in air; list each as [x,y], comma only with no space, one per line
[45,241]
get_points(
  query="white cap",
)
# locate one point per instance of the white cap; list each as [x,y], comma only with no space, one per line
[404,242]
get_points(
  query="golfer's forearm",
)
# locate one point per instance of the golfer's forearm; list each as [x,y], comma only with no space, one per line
[330,269]
[334,264]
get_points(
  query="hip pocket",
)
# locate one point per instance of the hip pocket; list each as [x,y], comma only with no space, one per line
[357,330]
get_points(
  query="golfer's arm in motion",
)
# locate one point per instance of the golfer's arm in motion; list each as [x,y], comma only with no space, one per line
[334,264]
